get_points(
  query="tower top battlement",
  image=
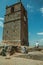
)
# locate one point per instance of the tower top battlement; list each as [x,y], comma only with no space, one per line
[15,5]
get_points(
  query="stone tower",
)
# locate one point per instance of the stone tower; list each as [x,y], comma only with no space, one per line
[16,25]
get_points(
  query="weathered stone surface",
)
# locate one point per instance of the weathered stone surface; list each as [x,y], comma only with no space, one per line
[16,25]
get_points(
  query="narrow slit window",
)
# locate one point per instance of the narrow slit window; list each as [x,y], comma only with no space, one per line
[12,9]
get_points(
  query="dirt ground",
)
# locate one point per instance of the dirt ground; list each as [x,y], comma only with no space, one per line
[18,61]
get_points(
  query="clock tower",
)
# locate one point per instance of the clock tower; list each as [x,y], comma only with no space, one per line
[16,25]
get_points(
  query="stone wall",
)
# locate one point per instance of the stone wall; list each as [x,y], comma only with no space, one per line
[12,30]
[13,16]
[16,8]
[16,25]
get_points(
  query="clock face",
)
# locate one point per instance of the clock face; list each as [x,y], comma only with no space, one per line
[24,18]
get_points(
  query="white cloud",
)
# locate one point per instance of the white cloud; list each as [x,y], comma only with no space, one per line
[1,24]
[29,33]
[41,40]
[41,10]
[1,21]
[1,18]
[40,33]
[30,7]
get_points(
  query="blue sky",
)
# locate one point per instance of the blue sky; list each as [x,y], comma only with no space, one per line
[35,18]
